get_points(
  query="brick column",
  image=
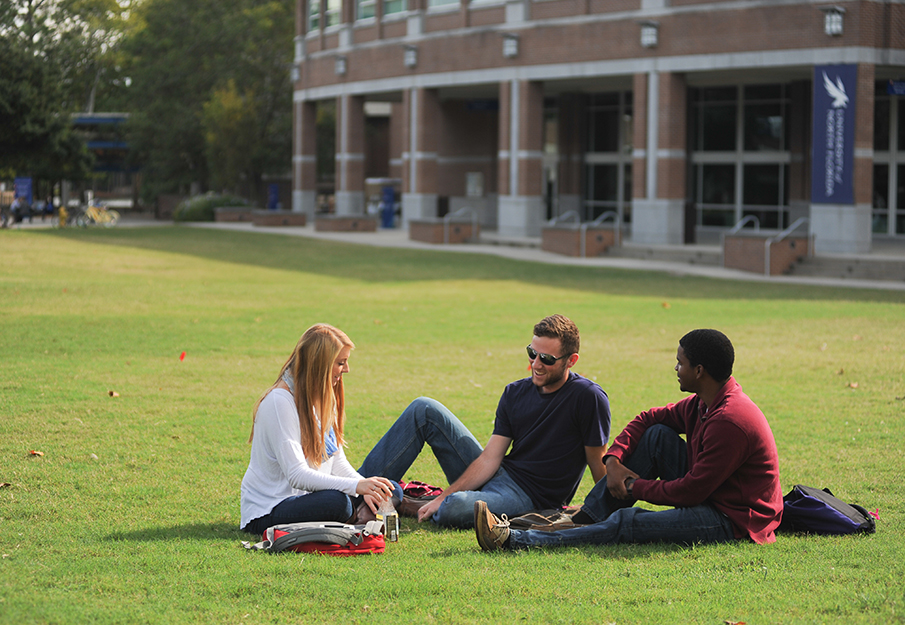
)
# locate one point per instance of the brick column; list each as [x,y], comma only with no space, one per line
[304,158]
[423,121]
[799,122]
[350,157]
[522,113]
[864,139]
[571,124]
[504,130]
[658,215]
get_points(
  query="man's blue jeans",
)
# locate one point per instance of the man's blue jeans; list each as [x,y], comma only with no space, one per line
[428,421]
[662,454]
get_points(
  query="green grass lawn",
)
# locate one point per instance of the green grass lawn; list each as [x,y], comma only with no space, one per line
[131,513]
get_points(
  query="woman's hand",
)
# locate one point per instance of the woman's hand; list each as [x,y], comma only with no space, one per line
[375,490]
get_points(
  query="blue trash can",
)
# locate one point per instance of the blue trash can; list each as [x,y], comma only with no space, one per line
[388,206]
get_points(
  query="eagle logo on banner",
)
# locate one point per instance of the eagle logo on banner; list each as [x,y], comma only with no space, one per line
[835,91]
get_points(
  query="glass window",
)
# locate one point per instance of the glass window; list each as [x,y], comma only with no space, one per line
[332,15]
[718,184]
[605,134]
[393,6]
[880,222]
[365,9]
[314,15]
[763,127]
[881,125]
[716,94]
[881,186]
[440,3]
[763,92]
[551,132]
[900,188]
[605,181]
[719,218]
[761,186]
[901,116]
[605,99]
[718,128]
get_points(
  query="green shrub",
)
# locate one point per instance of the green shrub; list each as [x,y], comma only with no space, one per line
[201,207]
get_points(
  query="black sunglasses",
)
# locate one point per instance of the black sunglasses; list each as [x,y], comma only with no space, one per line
[547,359]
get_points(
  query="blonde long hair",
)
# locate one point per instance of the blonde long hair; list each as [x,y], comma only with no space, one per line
[311,368]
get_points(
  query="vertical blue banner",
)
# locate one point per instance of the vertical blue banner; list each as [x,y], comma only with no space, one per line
[22,188]
[835,87]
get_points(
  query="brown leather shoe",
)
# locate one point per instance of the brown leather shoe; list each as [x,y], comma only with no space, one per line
[492,533]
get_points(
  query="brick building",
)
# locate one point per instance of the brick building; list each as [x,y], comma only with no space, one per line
[681,117]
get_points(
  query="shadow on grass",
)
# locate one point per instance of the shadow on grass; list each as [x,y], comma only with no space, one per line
[188,531]
[377,264]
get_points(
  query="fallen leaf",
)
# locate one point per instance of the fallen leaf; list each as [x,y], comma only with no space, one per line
[853,385]
[112,393]
[181,356]
[36,453]
[666,305]
[93,456]
[841,371]
[5,484]
[857,337]
[377,322]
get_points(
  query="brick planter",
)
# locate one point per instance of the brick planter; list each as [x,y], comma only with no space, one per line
[432,231]
[278,218]
[748,252]
[232,213]
[566,239]
[345,223]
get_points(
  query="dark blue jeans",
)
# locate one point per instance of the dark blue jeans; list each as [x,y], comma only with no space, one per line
[662,454]
[322,505]
[427,421]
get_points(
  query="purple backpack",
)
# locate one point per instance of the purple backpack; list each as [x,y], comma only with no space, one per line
[815,511]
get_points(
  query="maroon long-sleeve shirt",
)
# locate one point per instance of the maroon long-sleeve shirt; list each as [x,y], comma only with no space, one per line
[732,460]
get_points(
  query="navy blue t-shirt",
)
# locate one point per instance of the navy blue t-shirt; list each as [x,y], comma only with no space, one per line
[549,433]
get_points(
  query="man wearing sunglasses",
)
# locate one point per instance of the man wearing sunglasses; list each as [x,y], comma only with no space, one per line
[721,483]
[553,424]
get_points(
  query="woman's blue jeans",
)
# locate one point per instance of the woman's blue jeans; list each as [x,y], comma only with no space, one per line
[427,421]
[662,454]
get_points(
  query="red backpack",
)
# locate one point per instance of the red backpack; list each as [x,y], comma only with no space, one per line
[335,539]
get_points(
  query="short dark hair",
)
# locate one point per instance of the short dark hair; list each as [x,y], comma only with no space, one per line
[712,350]
[562,328]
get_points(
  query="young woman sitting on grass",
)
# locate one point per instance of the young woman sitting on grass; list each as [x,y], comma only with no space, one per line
[298,471]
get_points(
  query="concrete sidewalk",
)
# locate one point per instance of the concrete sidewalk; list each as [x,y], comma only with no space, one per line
[525,248]
[529,249]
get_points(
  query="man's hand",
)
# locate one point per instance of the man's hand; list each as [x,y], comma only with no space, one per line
[617,474]
[427,510]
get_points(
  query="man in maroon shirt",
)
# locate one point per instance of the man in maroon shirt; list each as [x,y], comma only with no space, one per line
[722,481]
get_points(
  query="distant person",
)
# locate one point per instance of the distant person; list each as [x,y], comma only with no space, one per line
[553,424]
[722,481]
[19,209]
[298,470]
[47,208]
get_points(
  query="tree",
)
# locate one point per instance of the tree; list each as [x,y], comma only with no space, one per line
[199,71]
[47,48]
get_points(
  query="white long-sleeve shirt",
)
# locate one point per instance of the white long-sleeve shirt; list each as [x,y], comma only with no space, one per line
[278,469]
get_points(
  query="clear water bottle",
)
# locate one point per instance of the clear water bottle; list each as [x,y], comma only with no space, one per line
[386,513]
